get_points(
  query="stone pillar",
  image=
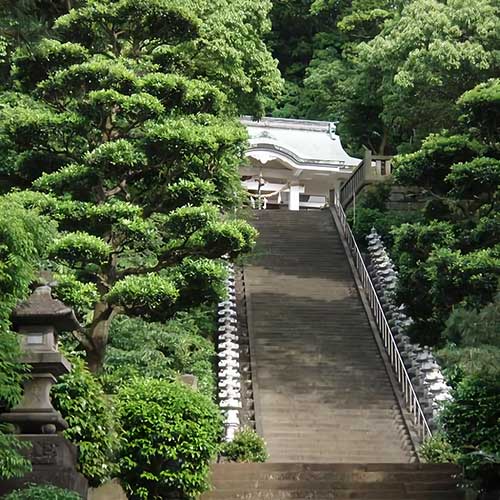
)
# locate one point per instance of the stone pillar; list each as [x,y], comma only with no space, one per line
[35,420]
[294,197]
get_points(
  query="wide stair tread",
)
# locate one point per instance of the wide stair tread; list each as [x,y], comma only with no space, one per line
[391,481]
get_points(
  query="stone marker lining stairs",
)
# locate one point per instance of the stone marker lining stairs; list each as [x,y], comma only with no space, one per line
[323,398]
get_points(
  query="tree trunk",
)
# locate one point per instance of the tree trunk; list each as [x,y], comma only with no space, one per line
[383,142]
[98,336]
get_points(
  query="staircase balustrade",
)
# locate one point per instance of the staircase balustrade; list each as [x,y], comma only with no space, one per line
[373,168]
[391,347]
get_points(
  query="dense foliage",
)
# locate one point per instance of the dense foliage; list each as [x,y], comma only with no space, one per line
[162,350]
[454,255]
[42,492]
[80,399]
[246,446]
[24,236]
[391,72]
[173,433]
[119,155]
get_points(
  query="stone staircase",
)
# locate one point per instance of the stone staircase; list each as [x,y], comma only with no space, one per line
[323,398]
[321,389]
[272,481]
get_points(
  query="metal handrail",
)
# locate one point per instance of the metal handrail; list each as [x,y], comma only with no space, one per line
[352,185]
[391,347]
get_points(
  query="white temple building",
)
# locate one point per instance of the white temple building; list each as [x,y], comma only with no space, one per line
[294,163]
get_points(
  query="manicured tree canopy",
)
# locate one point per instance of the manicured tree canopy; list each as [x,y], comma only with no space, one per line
[456,260]
[107,129]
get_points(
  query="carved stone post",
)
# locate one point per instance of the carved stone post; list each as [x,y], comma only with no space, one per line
[53,457]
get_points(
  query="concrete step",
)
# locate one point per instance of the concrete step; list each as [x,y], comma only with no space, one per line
[390,481]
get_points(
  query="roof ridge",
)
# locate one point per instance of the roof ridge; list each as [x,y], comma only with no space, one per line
[293,123]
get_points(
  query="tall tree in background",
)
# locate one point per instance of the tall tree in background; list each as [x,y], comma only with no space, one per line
[454,258]
[120,125]
[391,72]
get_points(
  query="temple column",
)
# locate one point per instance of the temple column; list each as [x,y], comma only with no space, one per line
[294,197]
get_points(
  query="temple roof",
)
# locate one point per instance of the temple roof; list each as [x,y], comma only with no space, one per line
[303,144]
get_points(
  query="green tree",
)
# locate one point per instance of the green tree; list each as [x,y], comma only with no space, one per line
[134,152]
[453,261]
[391,72]
[162,350]
[427,57]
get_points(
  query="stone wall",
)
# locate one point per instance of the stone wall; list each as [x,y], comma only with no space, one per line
[112,490]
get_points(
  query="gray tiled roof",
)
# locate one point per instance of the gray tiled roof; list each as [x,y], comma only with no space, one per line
[305,141]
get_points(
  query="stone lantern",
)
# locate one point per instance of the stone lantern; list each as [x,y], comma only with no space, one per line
[38,321]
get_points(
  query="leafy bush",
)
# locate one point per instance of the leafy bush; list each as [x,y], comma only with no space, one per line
[469,327]
[464,361]
[81,401]
[471,423]
[24,235]
[436,450]
[382,221]
[472,420]
[247,446]
[12,462]
[162,350]
[171,432]
[42,492]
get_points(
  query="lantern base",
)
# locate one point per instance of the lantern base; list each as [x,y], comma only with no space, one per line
[54,461]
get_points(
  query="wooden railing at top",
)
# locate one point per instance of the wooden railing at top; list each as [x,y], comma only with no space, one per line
[347,193]
[373,168]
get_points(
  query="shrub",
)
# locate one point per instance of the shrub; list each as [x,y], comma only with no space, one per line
[171,432]
[247,446]
[436,450]
[42,492]
[382,221]
[471,424]
[464,361]
[162,350]
[24,236]
[80,399]
[469,327]
[472,420]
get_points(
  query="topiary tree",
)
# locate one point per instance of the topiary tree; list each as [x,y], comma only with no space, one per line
[108,128]
[171,432]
